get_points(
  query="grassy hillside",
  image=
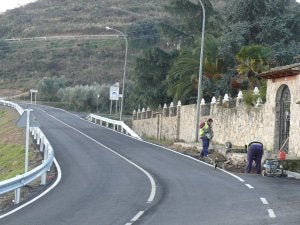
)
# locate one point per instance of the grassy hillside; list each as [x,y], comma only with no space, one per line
[23,63]
[52,17]
[12,146]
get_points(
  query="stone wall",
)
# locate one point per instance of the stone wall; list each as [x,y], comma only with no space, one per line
[240,124]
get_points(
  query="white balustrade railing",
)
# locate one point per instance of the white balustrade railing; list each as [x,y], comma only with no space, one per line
[114,124]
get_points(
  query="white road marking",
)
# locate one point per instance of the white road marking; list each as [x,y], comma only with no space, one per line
[249,186]
[137,216]
[179,153]
[271,213]
[153,185]
[264,201]
[187,156]
[59,175]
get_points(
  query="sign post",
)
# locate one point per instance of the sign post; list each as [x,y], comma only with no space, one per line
[27,120]
[27,139]
[32,91]
[97,102]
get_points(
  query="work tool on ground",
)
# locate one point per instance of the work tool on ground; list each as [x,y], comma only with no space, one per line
[274,166]
[216,162]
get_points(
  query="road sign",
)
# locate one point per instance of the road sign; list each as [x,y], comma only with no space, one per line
[114,93]
[21,122]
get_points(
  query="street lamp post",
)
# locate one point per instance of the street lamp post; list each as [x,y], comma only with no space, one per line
[97,102]
[125,61]
[200,73]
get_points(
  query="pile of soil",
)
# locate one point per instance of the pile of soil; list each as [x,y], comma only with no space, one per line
[214,157]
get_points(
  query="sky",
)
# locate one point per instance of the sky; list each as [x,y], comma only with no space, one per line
[10,4]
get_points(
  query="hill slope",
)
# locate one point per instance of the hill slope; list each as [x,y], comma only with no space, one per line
[80,61]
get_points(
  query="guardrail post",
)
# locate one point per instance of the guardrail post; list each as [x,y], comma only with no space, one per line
[41,145]
[44,177]
[17,196]
[38,141]
[34,134]
[46,151]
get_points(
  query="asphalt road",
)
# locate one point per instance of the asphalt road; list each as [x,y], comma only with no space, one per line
[109,179]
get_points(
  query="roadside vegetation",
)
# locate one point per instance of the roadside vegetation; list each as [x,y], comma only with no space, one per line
[12,151]
[242,39]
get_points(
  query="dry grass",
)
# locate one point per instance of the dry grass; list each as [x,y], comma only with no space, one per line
[12,146]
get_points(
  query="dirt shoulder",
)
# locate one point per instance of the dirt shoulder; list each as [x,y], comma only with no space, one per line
[215,158]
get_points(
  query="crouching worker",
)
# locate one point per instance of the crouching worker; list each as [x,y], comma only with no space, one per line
[206,134]
[255,153]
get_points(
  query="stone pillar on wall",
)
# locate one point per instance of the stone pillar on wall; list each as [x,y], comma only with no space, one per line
[139,114]
[258,102]
[219,101]
[202,105]
[149,113]
[226,101]
[256,95]
[134,115]
[143,114]
[172,110]
[165,110]
[159,108]
[213,105]
[239,98]
[178,113]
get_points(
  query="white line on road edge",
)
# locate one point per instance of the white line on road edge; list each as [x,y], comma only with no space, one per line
[229,173]
[39,196]
[153,185]
[249,186]
[137,216]
[264,201]
[187,156]
[271,213]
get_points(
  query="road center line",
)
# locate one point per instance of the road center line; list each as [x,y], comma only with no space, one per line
[271,213]
[249,186]
[264,201]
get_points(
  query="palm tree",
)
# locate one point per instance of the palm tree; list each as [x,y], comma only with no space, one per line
[182,79]
[252,60]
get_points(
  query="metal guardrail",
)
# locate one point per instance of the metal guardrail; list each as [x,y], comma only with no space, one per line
[40,171]
[114,124]
[12,105]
